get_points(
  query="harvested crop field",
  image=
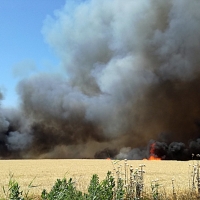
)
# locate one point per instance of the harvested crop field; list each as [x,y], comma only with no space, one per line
[46,172]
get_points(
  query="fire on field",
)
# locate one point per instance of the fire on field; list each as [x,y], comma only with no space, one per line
[131,78]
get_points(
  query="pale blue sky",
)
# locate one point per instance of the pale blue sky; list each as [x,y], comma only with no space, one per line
[23,49]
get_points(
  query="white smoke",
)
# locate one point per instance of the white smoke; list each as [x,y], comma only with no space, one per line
[18,140]
[118,55]
[178,45]
[3,122]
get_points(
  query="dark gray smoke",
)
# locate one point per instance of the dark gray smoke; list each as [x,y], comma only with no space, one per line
[132,72]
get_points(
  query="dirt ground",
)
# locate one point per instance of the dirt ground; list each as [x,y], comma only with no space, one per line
[44,173]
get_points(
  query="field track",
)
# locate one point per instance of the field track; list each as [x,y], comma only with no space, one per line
[46,172]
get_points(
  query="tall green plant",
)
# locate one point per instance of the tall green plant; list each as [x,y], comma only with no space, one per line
[13,192]
[62,190]
[101,190]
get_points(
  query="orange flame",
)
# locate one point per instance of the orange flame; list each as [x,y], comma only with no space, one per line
[152,153]
[153,158]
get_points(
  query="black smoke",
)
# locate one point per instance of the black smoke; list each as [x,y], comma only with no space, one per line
[131,72]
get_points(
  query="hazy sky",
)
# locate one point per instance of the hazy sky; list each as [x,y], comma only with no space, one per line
[23,48]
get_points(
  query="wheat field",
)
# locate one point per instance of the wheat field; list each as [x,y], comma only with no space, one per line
[44,173]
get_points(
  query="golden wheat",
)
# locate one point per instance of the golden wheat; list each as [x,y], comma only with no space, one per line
[46,172]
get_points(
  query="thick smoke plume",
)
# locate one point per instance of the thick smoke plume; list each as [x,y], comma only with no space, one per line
[132,75]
